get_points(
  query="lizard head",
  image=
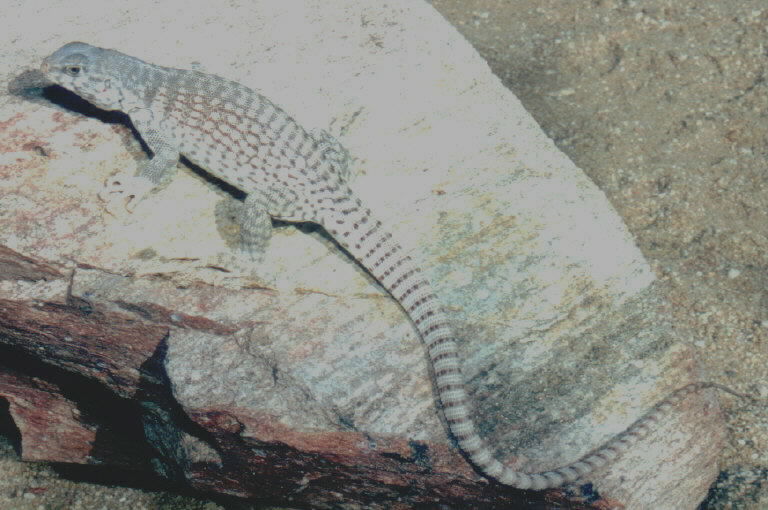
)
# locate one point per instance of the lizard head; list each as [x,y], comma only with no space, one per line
[90,72]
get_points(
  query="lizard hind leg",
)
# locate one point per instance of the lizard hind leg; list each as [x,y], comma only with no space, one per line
[254,216]
[247,225]
[333,152]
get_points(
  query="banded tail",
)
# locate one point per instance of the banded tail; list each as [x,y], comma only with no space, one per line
[364,237]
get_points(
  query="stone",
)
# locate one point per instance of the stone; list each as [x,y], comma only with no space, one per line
[300,381]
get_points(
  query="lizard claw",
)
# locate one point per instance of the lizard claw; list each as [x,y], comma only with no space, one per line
[124,192]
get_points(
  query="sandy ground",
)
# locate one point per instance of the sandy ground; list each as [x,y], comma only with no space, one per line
[663,103]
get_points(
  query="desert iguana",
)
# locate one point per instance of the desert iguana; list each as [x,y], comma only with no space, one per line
[290,174]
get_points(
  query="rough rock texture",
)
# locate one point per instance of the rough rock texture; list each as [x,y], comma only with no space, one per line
[141,340]
[662,103]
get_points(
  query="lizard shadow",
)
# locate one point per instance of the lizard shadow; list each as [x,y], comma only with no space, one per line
[32,86]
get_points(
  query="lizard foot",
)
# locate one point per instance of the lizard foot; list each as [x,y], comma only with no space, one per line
[124,192]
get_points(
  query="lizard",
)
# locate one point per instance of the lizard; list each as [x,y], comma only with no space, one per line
[295,175]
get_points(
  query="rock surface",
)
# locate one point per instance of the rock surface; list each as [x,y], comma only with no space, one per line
[300,380]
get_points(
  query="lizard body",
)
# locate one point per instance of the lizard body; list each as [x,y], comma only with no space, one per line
[291,174]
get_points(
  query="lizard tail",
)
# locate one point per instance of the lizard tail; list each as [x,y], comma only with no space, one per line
[374,248]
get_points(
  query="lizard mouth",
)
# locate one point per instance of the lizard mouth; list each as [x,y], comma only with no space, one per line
[46,70]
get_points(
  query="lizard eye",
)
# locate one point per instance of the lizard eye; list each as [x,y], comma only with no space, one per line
[73,70]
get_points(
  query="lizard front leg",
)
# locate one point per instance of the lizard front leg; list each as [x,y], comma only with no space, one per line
[129,190]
